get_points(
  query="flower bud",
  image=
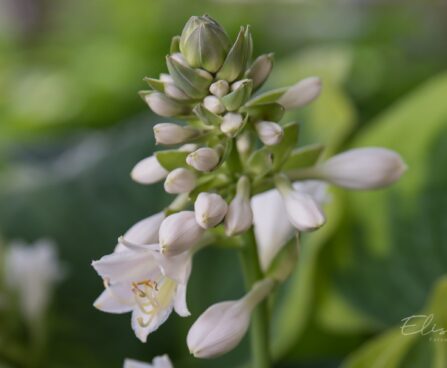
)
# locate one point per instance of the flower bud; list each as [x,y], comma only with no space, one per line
[210,209]
[302,210]
[194,82]
[269,133]
[231,123]
[220,88]
[223,325]
[362,168]
[179,232]
[204,43]
[171,90]
[163,105]
[180,181]
[239,216]
[239,96]
[204,159]
[170,133]
[237,57]
[213,104]
[301,93]
[148,171]
[260,70]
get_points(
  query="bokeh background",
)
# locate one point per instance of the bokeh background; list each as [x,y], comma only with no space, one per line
[72,126]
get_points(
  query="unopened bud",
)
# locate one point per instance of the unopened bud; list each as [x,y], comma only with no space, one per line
[223,325]
[239,96]
[239,217]
[260,70]
[210,209]
[158,362]
[170,133]
[164,105]
[204,159]
[220,88]
[213,104]
[362,168]
[179,232]
[180,181]
[269,133]
[302,93]
[302,210]
[204,43]
[148,171]
[231,123]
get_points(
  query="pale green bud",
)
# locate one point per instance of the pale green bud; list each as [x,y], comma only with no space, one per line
[213,104]
[237,57]
[260,70]
[239,96]
[194,82]
[231,123]
[206,115]
[220,88]
[204,43]
[269,133]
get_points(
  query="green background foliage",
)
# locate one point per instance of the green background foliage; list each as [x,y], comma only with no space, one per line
[72,127]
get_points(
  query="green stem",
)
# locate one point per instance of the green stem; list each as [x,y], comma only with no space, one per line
[260,317]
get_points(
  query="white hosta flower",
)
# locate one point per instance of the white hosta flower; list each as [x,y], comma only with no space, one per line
[223,325]
[271,224]
[204,159]
[231,123]
[162,361]
[163,105]
[32,272]
[143,232]
[239,216]
[170,133]
[220,88]
[148,171]
[302,93]
[302,210]
[210,209]
[145,283]
[213,104]
[362,168]
[180,180]
[179,232]
[269,133]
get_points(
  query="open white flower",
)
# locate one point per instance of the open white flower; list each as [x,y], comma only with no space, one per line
[31,271]
[162,361]
[142,281]
[223,325]
[271,223]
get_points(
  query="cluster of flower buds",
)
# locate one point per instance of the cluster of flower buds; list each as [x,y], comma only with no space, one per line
[236,169]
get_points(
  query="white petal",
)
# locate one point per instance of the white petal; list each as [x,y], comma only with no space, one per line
[153,321]
[180,304]
[115,299]
[177,267]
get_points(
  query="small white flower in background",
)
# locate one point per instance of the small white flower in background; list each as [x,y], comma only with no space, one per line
[362,168]
[148,171]
[32,271]
[302,93]
[180,181]
[145,283]
[204,159]
[269,133]
[179,232]
[239,216]
[210,209]
[223,325]
[162,361]
[271,223]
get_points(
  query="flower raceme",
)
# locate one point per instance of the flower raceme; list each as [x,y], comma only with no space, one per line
[237,174]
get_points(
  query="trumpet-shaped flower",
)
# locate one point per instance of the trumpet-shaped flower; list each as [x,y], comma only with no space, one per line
[144,282]
[223,325]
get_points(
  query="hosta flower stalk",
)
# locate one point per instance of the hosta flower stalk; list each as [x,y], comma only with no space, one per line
[240,182]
